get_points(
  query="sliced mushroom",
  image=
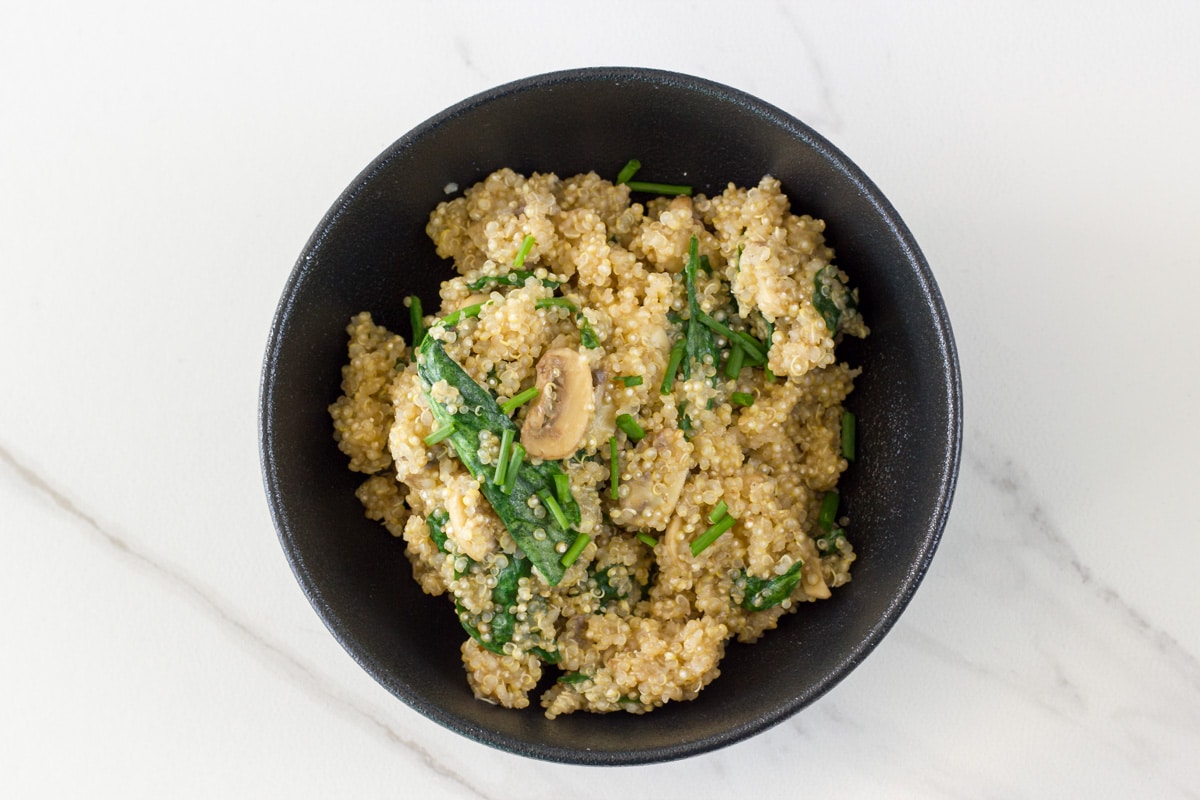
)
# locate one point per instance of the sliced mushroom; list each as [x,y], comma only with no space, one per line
[604,416]
[811,578]
[470,300]
[654,492]
[557,420]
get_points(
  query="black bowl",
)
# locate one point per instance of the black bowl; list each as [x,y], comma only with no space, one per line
[370,251]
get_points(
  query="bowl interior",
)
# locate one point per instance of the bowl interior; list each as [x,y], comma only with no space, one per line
[371,251]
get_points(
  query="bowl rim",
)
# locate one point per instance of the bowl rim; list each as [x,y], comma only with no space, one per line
[946,480]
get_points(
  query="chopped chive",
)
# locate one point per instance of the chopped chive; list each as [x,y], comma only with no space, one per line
[658,188]
[733,364]
[554,508]
[628,171]
[741,399]
[718,511]
[454,317]
[514,468]
[581,541]
[627,423]
[770,375]
[523,253]
[646,539]
[519,400]
[754,348]
[555,302]
[506,443]
[848,435]
[701,543]
[441,433]
[829,508]
[673,366]
[615,466]
[753,345]
[754,359]
[631,380]
[417,316]
[562,487]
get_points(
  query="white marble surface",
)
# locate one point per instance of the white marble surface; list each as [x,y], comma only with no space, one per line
[161,165]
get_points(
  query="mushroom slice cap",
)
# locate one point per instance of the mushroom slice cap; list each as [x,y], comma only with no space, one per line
[558,419]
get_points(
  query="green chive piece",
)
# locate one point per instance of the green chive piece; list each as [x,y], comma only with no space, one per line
[753,345]
[701,542]
[752,358]
[417,316]
[848,435]
[673,366]
[554,508]
[581,541]
[526,245]
[646,539]
[519,400]
[770,375]
[631,380]
[741,399]
[634,431]
[615,465]
[555,302]
[829,508]
[754,348]
[562,487]
[441,433]
[514,467]
[628,171]
[718,511]
[659,188]
[453,318]
[733,364]
[506,443]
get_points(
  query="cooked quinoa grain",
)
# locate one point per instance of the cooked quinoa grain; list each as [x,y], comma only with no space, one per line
[691,338]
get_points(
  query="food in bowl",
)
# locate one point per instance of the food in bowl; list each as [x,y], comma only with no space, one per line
[617,444]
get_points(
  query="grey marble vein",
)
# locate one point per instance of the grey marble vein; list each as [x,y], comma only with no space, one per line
[1022,502]
[207,600]
[827,115]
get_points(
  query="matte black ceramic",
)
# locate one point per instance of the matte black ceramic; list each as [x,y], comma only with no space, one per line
[371,250]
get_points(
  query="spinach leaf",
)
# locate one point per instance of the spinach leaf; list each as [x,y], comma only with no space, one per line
[762,594]
[515,278]
[504,597]
[479,411]
[831,296]
[608,592]
[571,678]
[827,544]
[437,528]
[549,656]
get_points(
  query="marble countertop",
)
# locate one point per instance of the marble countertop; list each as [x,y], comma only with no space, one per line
[161,166]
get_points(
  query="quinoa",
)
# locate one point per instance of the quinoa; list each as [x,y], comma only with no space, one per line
[726,454]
